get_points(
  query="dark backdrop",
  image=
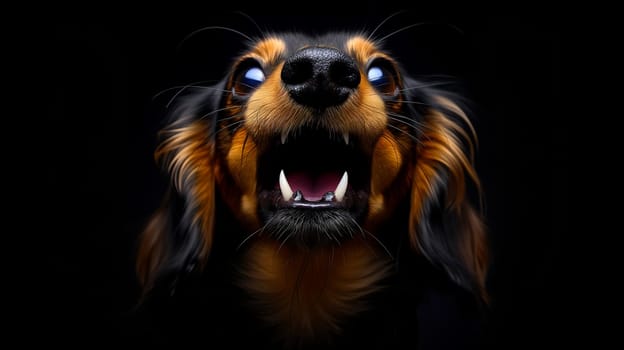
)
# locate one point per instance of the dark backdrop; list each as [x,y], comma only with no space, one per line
[111,69]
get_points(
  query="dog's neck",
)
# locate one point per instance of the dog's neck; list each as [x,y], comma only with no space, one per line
[307,293]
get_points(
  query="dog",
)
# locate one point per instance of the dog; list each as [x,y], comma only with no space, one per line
[319,196]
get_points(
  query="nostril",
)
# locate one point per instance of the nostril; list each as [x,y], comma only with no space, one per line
[344,73]
[297,71]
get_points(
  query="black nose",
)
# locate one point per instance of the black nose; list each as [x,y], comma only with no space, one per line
[320,77]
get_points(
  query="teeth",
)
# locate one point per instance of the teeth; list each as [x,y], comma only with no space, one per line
[345,136]
[284,137]
[287,192]
[341,189]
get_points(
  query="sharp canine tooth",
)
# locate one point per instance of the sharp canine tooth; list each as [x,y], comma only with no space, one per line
[345,136]
[284,137]
[341,189]
[287,192]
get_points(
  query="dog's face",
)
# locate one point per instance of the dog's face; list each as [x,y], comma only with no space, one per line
[315,144]
[308,148]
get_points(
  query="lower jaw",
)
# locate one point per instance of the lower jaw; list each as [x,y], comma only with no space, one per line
[312,228]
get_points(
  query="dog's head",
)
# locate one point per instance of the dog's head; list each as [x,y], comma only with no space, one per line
[317,145]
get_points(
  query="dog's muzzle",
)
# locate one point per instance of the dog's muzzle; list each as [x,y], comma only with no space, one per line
[314,182]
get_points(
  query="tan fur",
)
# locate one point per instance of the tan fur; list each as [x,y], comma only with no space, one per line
[310,293]
[270,112]
[269,51]
[360,48]
[442,148]
[188,156]
[151,253]
[241,163]
[387,163]
[474,248]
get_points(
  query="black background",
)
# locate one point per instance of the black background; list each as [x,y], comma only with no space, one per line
[110,74]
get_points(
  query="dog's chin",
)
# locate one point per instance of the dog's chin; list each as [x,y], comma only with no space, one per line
[314,188]
[311,228]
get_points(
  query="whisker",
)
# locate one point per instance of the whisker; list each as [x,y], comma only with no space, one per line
[365,232]
[380,243]
[237,127]
[220,110]
[236,123]
[420,86]
[253,145]
[260,30]
[261,229]
[420,24]
[416,103]
[290,234]
[401,30]
[175,96]
[382,23]
[406,120]
[358,226]
[410,122]
[195,32]
[418,127]
[333,237]
[191,85]
[414,138]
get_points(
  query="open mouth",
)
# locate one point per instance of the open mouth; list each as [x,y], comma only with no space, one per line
[313,181]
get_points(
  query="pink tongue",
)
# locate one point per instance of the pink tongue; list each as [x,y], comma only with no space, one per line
[313,186]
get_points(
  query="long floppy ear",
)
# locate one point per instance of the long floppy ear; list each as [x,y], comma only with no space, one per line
[444,225]
[178,237]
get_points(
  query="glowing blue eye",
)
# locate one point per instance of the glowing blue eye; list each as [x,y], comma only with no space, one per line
[253,77]
[376,75]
